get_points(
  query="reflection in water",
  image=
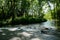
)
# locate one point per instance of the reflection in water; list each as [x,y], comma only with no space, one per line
[43,31]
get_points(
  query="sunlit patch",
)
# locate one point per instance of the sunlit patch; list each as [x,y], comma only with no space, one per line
[12,29]
[51,5]
[46,7]
[3,34]
[54,28]
[15,38]
[24,34]
[49,25]
[35,39]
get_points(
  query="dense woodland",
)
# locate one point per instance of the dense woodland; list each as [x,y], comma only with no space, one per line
[14,12]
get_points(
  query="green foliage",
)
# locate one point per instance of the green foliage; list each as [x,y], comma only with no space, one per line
[13,11]
[28,20]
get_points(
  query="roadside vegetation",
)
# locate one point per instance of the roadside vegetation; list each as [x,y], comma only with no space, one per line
[15,12]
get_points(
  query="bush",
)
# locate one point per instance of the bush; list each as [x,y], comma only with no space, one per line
[25,20]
